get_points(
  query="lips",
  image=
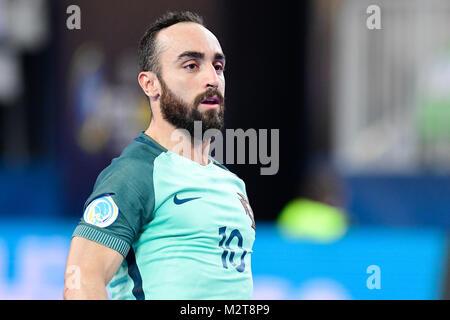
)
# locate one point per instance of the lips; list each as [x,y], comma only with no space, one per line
[211,100]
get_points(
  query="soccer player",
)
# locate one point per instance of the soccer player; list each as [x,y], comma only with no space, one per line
[163,223]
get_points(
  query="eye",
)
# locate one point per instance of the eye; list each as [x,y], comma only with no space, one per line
[219,67]
[191,66]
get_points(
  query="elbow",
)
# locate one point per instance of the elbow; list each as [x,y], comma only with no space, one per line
[72,293]
[67,294]
[90,288]
[72,283]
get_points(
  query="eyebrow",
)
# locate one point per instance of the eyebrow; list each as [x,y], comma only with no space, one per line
[219,56]
[199,55]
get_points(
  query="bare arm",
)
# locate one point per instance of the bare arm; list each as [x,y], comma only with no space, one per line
[90,266]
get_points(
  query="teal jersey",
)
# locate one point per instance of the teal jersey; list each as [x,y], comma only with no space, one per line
[186,230]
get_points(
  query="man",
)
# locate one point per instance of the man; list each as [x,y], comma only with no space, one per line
[165,220]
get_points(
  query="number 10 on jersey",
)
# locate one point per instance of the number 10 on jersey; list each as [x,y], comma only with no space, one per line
[229,253]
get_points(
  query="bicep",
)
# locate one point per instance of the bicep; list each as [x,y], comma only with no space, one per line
[94,260]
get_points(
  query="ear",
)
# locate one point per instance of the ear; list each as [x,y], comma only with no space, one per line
[149,84]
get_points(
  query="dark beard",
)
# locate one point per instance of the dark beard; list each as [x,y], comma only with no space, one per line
[182,115]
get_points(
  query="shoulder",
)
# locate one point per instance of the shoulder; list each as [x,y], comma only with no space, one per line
[224,168]
[218,164]
[131,172]
[137,158]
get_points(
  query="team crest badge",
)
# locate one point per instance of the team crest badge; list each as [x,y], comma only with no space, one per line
[247,208]
[101,212]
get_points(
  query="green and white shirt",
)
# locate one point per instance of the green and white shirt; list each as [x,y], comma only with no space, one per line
[186,230]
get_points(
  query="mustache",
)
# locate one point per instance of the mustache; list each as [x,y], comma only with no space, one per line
[209,93]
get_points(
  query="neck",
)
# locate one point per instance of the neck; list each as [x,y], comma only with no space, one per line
[174,140]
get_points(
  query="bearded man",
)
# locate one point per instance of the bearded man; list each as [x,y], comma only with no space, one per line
[164,221]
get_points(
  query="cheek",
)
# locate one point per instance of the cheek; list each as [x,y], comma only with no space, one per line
[178,85]
[183,90]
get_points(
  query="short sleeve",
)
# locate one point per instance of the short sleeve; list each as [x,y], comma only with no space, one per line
[112,214]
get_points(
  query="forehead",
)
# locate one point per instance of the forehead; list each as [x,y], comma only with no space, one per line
[186,36]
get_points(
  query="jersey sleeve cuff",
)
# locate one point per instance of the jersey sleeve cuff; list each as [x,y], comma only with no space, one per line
[103,238]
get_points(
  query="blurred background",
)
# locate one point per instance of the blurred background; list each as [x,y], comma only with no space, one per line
[360,206]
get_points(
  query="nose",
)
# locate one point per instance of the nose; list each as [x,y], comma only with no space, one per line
[212,80]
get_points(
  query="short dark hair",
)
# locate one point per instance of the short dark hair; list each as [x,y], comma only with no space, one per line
[148,51]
